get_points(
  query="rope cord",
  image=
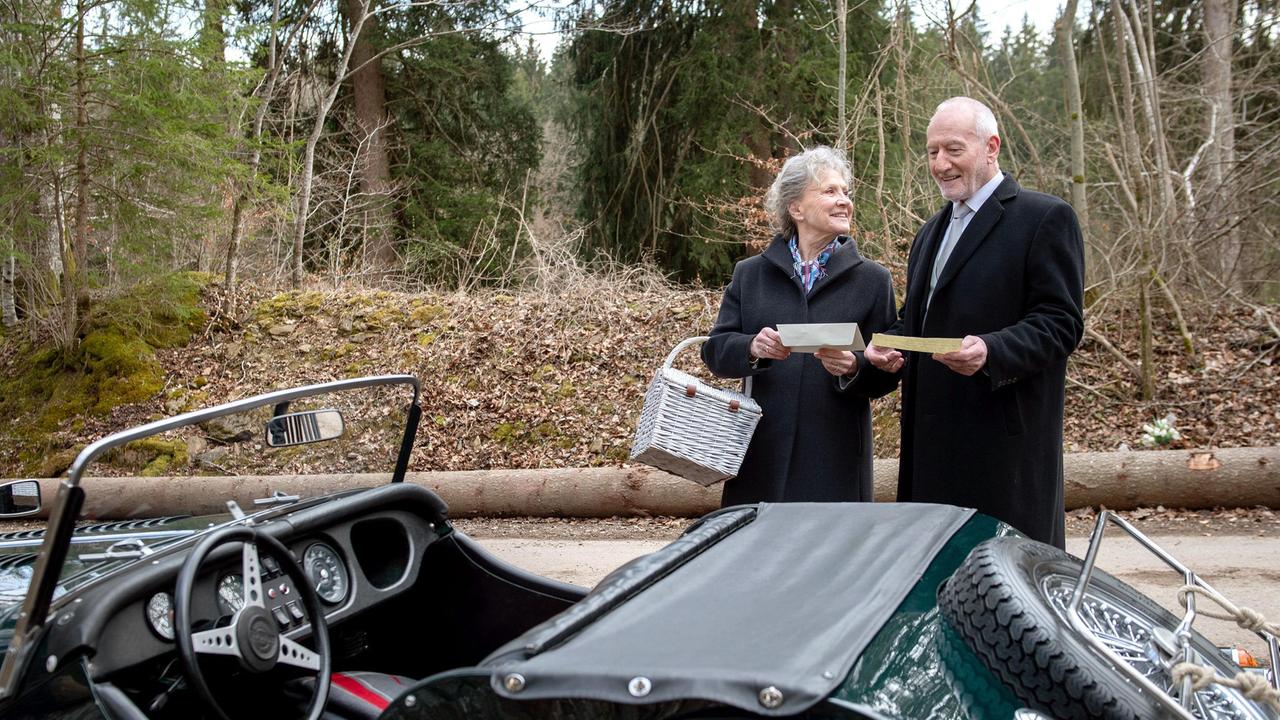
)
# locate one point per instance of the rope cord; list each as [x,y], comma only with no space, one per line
[1253,686]
[1247,618]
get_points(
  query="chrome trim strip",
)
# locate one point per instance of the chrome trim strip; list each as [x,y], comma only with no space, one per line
[84,539]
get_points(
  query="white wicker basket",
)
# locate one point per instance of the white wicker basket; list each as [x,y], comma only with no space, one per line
[692,429]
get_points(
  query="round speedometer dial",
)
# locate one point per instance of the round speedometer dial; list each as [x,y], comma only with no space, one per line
[327,573]
[160,614]
[231,593]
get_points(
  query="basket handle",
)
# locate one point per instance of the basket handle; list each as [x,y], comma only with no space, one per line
[698,340]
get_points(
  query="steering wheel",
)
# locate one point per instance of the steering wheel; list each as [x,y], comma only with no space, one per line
[253,637]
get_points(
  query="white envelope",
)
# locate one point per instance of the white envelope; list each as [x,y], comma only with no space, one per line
[808,337]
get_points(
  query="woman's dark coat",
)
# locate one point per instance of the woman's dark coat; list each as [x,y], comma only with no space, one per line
[993,441]
[813,442]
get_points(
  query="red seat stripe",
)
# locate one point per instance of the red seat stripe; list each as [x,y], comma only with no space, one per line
[357,688]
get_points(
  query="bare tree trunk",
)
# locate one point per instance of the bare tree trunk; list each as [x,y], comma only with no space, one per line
[1124,111]
[80,236]
[880,150]
[1075,111]
[902,33]
[44,289]
[213,38]
[309,151]
[1219,27]
[213,44]
[1230,477]
[242,197]
[8,259]
[1145,353]
[370,94]
[1143,59]
[8,273]
[756,135]
[48,254]
[842,18]
[75,264]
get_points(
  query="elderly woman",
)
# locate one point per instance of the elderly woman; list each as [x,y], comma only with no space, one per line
[813,442]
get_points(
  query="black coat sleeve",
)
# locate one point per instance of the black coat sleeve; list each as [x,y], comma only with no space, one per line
[870,381]
[727,353]
[1053,319]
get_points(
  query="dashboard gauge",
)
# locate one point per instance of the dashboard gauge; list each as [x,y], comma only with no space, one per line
[160,614]
[326,572]
[231,593]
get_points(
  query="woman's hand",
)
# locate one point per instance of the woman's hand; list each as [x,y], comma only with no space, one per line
[837,362]
[768,344]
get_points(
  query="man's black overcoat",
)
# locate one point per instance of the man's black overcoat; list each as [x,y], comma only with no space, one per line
[813,442]
[993,441]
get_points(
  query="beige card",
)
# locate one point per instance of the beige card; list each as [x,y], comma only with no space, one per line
[916,344]
[809,337]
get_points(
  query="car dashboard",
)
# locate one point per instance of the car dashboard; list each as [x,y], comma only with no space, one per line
[362,552]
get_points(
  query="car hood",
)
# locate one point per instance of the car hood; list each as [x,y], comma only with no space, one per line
[19,551]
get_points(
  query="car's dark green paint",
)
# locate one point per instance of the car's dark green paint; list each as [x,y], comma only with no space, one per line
[916,666]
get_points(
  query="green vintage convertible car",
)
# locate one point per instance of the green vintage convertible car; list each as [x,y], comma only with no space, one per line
[369,603]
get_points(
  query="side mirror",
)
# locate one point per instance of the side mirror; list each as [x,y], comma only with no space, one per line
[304,427]
[18,498]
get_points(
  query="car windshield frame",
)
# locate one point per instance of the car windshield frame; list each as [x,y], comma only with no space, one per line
[38,602]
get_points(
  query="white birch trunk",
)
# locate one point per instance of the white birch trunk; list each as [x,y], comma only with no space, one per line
[309,153]
[1075,111]
[1219,27]
[8,308]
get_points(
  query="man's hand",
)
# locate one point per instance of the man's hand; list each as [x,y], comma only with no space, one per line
[887,359]
[837,362]
[969,359]
[768,344]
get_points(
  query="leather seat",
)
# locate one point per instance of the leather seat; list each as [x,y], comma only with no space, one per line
[360,695]
[355,695]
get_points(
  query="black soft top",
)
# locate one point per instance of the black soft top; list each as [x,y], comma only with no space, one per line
[764,608]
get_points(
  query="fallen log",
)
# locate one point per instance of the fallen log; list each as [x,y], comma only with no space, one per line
[1195,479]
[1192,479]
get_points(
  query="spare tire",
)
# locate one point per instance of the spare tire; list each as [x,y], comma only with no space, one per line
[1008,601]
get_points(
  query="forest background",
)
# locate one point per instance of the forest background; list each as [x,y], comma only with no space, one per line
[203,199]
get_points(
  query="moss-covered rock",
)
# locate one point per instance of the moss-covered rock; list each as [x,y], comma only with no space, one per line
[386,316]
[425,314]
[163,312]
[55,463]
[50,391]
[149,457]
[510,433]
[288,306]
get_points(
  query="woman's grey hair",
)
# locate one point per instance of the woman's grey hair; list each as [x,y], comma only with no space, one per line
[984,121]
[796,175]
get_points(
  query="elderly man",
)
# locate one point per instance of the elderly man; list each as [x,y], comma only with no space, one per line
[1003,268]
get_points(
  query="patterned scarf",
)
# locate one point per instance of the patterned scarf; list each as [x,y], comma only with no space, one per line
[809,272]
